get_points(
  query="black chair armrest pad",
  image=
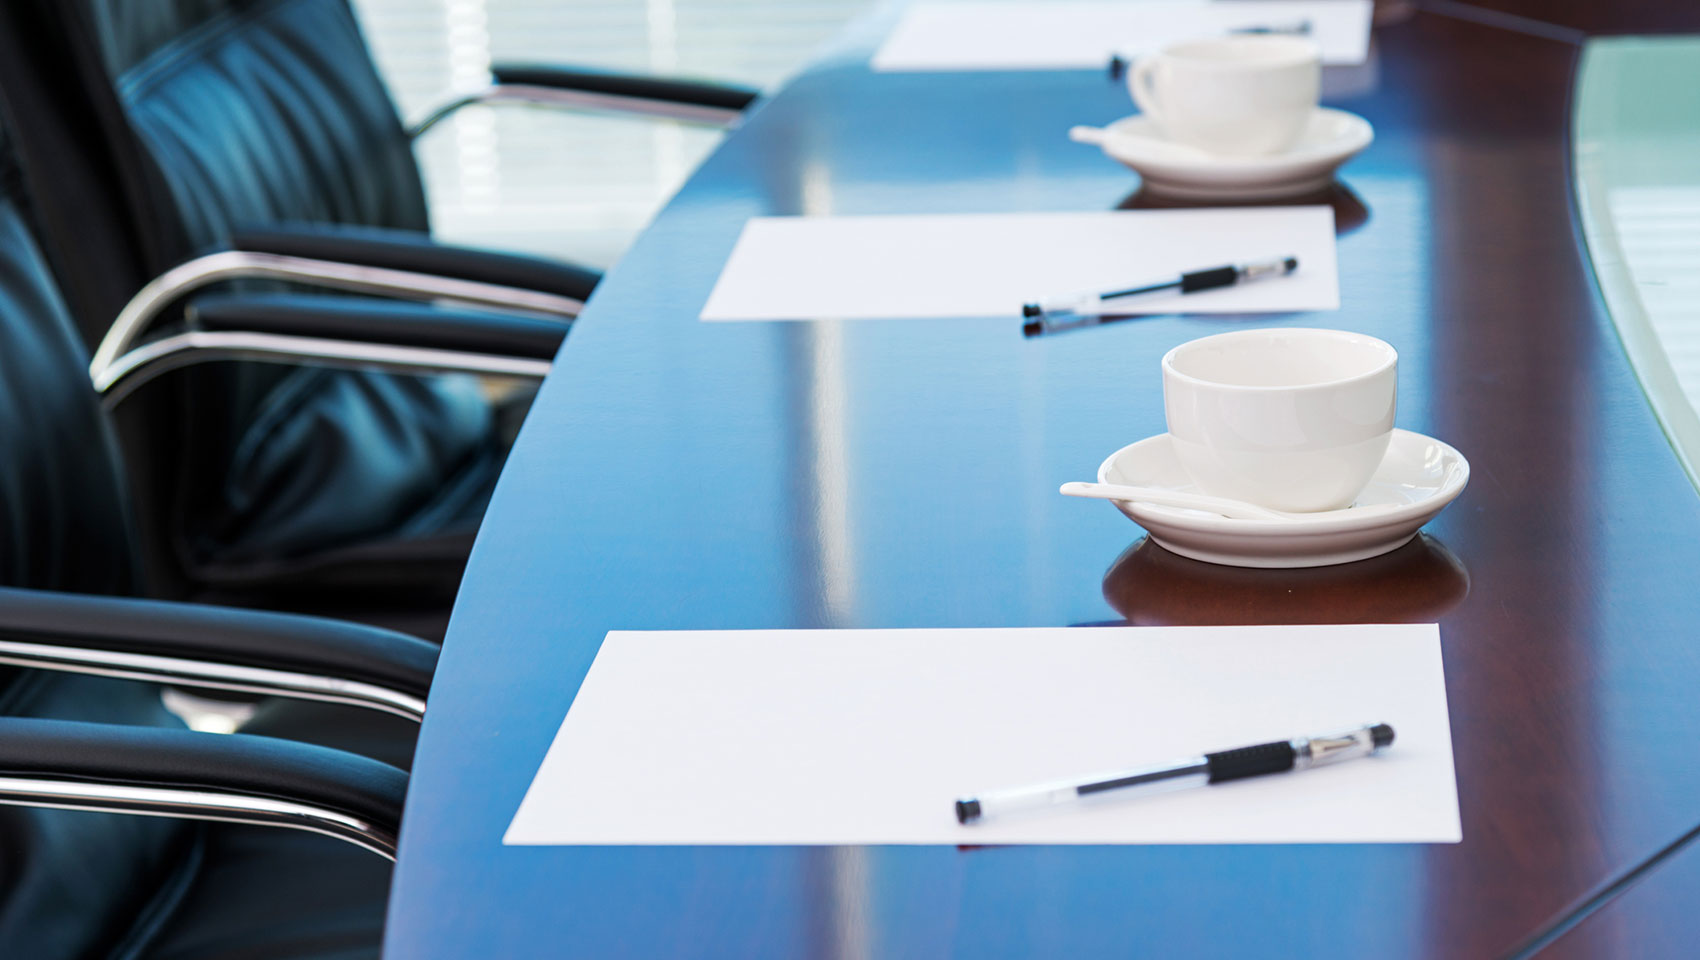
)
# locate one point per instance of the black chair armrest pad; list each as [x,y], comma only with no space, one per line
[417,252]
[637,86]
[184,759]
[227,635]
[368,320]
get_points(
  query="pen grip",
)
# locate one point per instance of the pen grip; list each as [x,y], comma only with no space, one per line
[1208,279]
[1255,761]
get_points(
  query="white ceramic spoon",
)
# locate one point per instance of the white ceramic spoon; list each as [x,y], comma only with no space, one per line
[1177,152]
[1227,507]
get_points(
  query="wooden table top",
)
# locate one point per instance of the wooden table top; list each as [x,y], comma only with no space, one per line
[1647,914]
[1563,579]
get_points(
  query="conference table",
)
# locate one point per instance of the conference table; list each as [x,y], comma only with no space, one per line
[677,474]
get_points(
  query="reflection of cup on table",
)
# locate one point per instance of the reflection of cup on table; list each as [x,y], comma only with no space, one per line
[1239,96]
[1417,583]
[1290,418]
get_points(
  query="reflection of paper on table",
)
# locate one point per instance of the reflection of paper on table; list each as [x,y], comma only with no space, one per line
[1063,34]
[868,736]
[988,265]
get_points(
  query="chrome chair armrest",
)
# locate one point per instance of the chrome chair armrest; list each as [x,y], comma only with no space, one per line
[118,360]
[665,98]
[416,252]
[219,648]
[132,370]
[150,771]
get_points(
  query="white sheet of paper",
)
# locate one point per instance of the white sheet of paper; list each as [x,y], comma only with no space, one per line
[1065,34]
[987,264]
[869,736]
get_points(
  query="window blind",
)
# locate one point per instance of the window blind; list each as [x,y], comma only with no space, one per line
[573,186]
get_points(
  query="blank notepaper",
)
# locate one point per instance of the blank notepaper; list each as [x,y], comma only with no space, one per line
[868,736]
[989,264]
[1069,34]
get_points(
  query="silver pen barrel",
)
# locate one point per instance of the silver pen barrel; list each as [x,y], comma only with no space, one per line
[1193,771]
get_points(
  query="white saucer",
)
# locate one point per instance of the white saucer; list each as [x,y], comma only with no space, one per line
[1420,474]
[1170,169]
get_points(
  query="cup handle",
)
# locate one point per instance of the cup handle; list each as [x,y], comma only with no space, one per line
[1140,84]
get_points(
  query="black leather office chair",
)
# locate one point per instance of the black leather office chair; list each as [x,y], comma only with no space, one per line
[317,335]
[76,884]
[153,132]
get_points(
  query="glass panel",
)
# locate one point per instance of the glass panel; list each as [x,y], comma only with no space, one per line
[1637,153]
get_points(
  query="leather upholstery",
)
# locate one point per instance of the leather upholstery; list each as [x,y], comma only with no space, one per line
[262,894]
[256,111]
[291,642]
[75,885]
[63,524]
[214,113]
[60,487]
[396,322]
[312,898]
[78,885]
[260,110]
[332,457]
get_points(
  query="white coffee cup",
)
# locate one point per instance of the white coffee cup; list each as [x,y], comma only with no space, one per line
[1236,96]
[1290,418]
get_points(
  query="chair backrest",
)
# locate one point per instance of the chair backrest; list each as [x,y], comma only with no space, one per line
[72,885]
[166,123]
[64,516]
[258,111]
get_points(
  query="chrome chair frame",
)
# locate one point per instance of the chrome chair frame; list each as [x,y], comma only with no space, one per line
[202,804]
[120,366]
[187,672]
[195,805]
[557,98]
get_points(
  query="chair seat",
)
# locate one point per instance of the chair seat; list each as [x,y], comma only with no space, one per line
[380,736]
[338,460]
[405,580]
[269,894]
[406,584]
[262,893]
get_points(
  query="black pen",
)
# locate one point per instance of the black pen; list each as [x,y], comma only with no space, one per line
[1298,28]
[1087,309]
[1300,753]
